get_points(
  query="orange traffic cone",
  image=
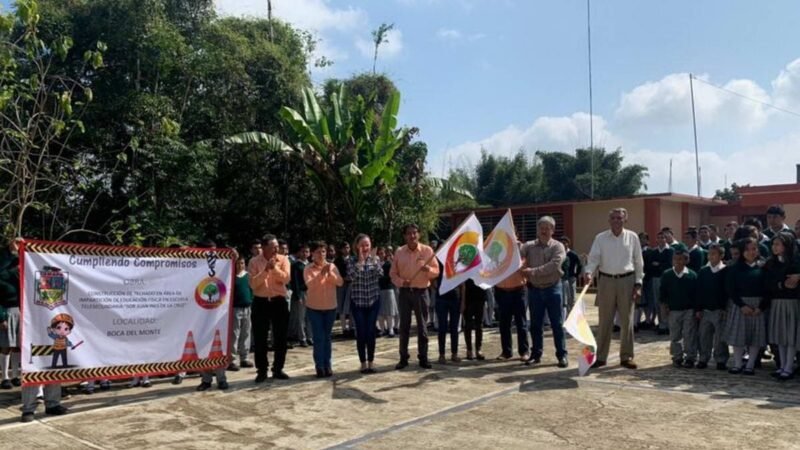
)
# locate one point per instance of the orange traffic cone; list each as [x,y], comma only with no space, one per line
[216,347]
[189,349]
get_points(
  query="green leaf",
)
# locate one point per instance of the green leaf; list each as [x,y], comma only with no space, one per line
[305,134]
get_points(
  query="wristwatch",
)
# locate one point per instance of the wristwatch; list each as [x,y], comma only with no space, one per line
[637,284]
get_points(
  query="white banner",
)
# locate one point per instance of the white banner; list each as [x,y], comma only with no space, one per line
[462,254]
[95,312]
[502,254]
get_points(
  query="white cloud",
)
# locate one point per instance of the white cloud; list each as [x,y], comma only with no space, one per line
[786,86]
[388,49]
[447,33]
[312,15]
[563,134]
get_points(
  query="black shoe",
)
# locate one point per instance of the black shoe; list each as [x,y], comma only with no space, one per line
[320,373]
[233,367]
[479,356]
[702,365]
[203,387]
[688,364]
[289,346]
[785,376]
[57,410]
[747,371]
[371,370]
[27,417]
[261,377]
[328,372]
[722,366]
[401,365]
[598,364]
[616,328]
[563,362]
[246,365]
[6,384]
[735,370]
[424,364]
[533,360]
[222,385]
[280,375]
[16,382]
[662,332]
[303,344]
[175,380]
[677,363]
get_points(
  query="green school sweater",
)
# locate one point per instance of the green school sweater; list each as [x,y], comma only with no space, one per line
[711,289]
[242,293]
[679,294]
[742,280]
[697,259]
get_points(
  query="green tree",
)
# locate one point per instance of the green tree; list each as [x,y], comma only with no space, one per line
[380,36]
[730,194]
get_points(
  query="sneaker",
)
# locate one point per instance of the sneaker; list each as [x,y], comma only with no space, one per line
[246,365]
[203,387]
[280,375]
[442,359]
[57,410]
[563,362]
[524,358]
[233,367]
[401,365]
[722,366]
[702,365]
[222,385]
[688,364]
[16,382]
[27,417]
[261,377]
[503,357]
[303,344]
[6,384]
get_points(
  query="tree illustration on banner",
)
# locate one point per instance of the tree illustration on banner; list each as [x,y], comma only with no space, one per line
[462,255]
[502,254]
[578,327]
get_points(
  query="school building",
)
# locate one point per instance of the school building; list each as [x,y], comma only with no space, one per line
[582,220]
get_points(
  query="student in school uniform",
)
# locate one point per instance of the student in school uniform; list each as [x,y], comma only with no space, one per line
[781,274]
[448,317]
[727,243]
[473,301]
[660,259]
[745,324]
[697,256]
[678,292]
[711,304]
[388,311]
[671,241]
[643,306]
[704,237]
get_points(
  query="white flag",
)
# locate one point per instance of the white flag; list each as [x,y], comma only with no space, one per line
[578,327]
[502,254]
[462,254]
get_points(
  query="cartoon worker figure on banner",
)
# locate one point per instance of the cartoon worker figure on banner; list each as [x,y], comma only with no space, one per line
[60,327]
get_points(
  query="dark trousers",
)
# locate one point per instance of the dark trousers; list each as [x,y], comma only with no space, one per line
[365,318]
[448,314]
[62,354]
[547,301]
[268,313]
[512,306]
[473,320]
[416,301]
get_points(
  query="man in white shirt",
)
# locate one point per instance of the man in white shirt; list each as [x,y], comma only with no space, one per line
[616,255]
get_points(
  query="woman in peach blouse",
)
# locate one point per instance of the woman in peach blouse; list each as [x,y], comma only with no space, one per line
[322,278]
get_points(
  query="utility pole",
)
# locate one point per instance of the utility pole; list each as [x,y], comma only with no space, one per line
[670,176]
[269,20]
[591,109]
[694,127]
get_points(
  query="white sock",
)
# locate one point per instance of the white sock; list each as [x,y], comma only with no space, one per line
[15,368]
[755,353]
[738,354]
[788,361]
[5,358]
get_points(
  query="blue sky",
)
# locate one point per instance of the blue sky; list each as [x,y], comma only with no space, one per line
[505,75]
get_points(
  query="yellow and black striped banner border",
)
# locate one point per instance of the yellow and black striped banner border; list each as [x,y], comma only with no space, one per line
[131,252]
[115,372]
[41,350]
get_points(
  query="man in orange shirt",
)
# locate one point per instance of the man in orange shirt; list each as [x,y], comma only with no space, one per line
[269,274]
[413,268]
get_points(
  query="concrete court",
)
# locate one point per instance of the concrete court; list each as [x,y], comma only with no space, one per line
[487,404]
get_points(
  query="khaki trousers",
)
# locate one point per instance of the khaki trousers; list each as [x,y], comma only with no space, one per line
[615,295]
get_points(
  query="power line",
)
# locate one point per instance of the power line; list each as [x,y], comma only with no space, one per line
[769,105]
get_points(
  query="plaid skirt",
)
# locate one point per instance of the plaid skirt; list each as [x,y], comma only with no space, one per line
[9,338]
[744,331]
[388,303]
[783,316]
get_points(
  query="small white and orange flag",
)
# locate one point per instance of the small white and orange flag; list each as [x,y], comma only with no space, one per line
[578,327]
[502,254]
[462,255]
